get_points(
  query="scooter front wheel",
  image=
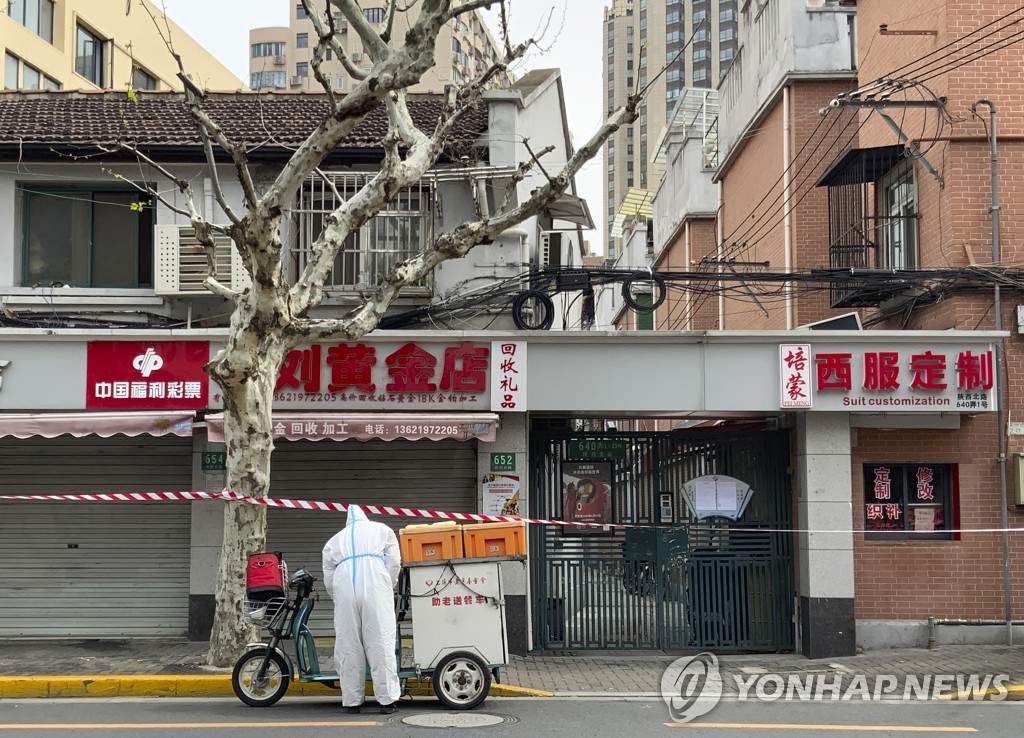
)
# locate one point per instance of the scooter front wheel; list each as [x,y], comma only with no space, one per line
[263,692]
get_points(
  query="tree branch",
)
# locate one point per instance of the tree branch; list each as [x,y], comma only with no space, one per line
[459,242]
[401,69]
[470,5]
[373,44]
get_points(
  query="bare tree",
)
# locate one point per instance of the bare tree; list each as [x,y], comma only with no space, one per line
[272,316]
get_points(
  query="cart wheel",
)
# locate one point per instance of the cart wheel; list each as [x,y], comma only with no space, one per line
[265,692]
[461,681]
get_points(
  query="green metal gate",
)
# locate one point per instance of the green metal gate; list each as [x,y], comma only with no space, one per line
[686,584]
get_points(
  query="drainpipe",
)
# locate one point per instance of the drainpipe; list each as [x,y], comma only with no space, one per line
[1000,410]
[787,222]
[720,256]
[688,326]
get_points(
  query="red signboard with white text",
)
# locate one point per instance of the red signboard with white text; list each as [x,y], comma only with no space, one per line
[147,375]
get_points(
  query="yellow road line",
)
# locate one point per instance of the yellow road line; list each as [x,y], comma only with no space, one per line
[163,726]
[801,726]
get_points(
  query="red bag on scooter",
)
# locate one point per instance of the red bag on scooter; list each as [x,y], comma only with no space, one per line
[264,577]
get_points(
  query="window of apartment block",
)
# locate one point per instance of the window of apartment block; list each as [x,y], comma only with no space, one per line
[301,40]
[909,500]
[897,211]
[90,53]
[376,15]
[300,11]
[142,80]
[87,237]
[267,79]
[35,15]
[629,48]
[31,79]
[302,69]
[10,72]
[268,48]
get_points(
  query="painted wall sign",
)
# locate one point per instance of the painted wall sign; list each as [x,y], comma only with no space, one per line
[921,379]
[147,375]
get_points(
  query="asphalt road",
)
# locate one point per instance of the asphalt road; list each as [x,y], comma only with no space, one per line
[544,718]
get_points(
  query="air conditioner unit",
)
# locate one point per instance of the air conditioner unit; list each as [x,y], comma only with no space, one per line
[279,60]
[554,250]
[357,56]
[296,81]
[181,262]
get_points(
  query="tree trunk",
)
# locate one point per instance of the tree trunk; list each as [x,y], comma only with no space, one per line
[246,375]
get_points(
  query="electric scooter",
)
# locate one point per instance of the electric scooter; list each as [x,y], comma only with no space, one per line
[461,679]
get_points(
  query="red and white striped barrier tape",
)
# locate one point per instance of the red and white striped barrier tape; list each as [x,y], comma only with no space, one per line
[230,496]
[409,512]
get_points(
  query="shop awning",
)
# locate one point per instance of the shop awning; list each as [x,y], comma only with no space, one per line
[51,425]
[317,426]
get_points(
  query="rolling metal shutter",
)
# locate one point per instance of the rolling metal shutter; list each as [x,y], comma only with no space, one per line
[94,569]
[438,475]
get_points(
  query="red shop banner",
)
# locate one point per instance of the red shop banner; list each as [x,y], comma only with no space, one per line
[147,375]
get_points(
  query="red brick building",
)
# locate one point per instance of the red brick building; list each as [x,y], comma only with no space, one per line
[809,178]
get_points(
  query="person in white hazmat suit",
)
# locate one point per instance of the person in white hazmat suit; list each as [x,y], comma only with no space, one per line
[361,566]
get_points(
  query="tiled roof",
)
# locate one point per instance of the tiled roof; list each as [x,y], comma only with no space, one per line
[161,119]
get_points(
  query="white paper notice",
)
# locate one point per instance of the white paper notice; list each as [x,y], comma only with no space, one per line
[924,518]
[726,497]
[706,497]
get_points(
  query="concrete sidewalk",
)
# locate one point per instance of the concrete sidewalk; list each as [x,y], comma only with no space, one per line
[108,668]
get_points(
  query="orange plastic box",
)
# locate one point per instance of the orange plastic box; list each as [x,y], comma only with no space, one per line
[439,541]
[494,539]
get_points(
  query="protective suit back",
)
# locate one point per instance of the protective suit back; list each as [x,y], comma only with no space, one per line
[361,565]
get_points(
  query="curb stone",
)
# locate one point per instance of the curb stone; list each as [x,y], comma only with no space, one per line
[213,685]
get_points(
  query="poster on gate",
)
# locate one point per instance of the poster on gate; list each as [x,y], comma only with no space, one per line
[587,496]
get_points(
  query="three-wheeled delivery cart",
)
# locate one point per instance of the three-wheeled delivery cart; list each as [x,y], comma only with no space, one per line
[459,638]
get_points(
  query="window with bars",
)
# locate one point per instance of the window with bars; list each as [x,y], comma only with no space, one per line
[398,232]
